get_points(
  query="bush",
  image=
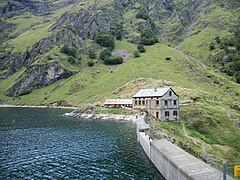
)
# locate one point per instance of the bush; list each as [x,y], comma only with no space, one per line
[64,49]
[211,47]
[90,63]
[105,40]
[113,60]
[136,54]
[118,35]
[105,53]
[142,15]
[168,58]
[71,51]
[141,48]
[71,60]
[148,37]
[92,55]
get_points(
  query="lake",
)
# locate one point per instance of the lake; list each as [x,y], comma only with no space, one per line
[42,144]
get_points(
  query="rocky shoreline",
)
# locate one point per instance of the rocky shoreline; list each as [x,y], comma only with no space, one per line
[117,117]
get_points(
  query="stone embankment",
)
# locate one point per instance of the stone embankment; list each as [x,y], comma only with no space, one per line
[117,117]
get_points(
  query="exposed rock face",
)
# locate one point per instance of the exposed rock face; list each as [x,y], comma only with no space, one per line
[38,76]
[35,7]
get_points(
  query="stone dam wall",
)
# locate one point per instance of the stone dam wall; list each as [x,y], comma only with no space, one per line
[173,162]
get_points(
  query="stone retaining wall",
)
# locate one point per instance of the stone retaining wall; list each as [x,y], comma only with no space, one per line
[173,162]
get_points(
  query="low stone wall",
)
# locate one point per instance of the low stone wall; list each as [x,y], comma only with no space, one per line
[145,140]
[173,162]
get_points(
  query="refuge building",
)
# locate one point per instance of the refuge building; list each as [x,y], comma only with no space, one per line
[162,103]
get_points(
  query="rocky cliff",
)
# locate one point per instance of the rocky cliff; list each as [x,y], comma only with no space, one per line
[38,76]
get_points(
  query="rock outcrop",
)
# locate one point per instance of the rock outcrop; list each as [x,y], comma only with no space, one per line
[38,76]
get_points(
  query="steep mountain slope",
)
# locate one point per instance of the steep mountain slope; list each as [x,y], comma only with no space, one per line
[178,37]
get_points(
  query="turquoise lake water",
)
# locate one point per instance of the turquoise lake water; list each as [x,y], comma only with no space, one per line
[42,144]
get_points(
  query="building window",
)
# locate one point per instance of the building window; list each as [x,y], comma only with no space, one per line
[143,103]
[170,93]
[166,103]
[140,103]
[175,102]
[175,113]
[167,113]
[135,102]
[157,102]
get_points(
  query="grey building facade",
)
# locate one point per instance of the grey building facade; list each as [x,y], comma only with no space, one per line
[162,103]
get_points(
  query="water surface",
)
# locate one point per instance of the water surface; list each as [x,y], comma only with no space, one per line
[41,144]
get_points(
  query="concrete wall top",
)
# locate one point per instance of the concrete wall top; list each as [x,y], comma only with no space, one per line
[186,163]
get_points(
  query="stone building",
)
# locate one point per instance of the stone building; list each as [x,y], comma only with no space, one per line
[162,103]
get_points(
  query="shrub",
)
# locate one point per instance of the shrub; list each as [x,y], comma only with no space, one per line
[141,48]
[92,55]
[90,63]
[105,53]
[168,58]
[142,15]
[136,54]
[26,92]
[71,51]
[148,37]
[71,60]
[113,60]
[211,47]
[64,49]
[105,40]
[118,35]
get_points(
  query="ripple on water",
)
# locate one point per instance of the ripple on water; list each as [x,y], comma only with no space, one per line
[52,147]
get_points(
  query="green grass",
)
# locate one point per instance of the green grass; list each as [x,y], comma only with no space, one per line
[198,45]
[24,22]
[30,37]
[115,111]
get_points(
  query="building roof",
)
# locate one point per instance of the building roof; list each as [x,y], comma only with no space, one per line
[155,92]
[118,101]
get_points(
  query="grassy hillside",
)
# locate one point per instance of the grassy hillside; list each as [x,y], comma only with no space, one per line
[210,121]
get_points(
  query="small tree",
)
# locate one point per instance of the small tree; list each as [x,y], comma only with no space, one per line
[168,58]
[71,51]
[92,55]
[118,35]
[113,60]
[105,53]
[105,40]
[71,60]
[90,63]
[211,46]
[64,49]
[141,48]
[136,54]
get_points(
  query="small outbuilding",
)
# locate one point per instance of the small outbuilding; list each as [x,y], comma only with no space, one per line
[162,103]
[118,103]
